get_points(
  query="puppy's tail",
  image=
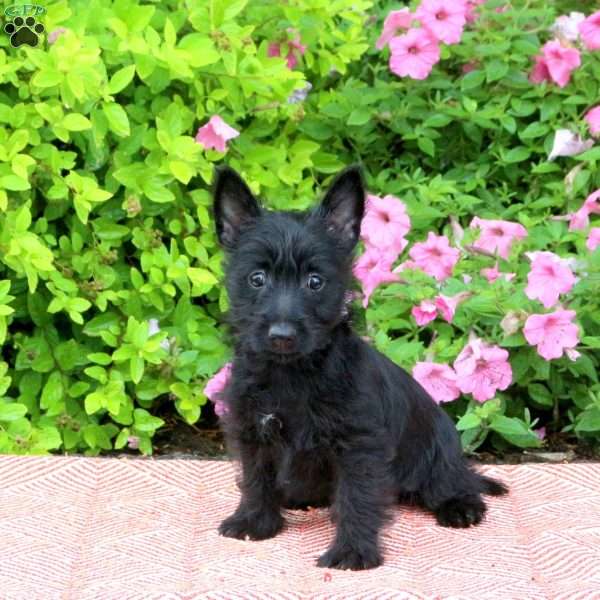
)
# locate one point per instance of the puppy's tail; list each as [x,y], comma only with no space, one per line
[492,487]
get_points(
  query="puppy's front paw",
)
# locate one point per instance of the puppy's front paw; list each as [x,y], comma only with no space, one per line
[461,512]
[346,557]
[254,527]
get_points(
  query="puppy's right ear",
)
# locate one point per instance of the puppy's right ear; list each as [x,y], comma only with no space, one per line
[234,205]
[344,205]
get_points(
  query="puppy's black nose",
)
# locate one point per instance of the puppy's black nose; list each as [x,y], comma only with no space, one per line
[282,337]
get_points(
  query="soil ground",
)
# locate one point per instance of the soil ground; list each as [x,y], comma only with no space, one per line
[177,439]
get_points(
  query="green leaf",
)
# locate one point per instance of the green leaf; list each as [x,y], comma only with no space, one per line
[540,394]
[518,154]
[182,171]
[359,116]
[14,183]
[116,116]
[136,368]
[156,190]
[201,50]
[47,78]
[496,69]
[12,411]
[471,80]
[534,130]
[144,421]
[515,431]
[100,358]
[588,420]
[201,276]
[94,402]
[427,145]
[53,391]
[121,79]
[76,122]
[468,421]
[48,438]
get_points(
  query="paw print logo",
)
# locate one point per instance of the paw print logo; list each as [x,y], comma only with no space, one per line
[24,31]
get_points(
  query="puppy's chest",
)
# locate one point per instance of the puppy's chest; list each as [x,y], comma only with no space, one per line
[296,421]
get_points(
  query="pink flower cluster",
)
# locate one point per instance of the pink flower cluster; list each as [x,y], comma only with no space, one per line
[293,46]
[497,237]
[383,228]
[427,310]
[556,63]
[581,218]
[559,57]
[435,256]
[215,134]
[552,333]
[215,386]
[383,232]
[480,369]
[417,50]
[548,278]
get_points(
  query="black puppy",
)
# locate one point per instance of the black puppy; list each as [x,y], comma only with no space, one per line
[317,416]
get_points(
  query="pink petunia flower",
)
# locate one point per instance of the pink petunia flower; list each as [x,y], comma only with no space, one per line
[552,333]
[439,380]
[593,240]
[413,54]
[385,224]
[407,264]
[567,143]
[497,236]
[511,323]
[470,66]
[493,273]
[293,46]
[581,218]
[133,442]
[215,385]
[55,34]
[540,72]
[471,8]
[567,26]
[592,118]
[561,61]
[447,305]
[372,269]
[548,278]
[482,369]
[215,134]
[435,256]
[444,19]
[540,432]
[425,312]
[590,31]
[397,20]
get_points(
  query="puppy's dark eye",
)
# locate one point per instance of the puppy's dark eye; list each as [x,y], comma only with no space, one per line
[315,282]
[257,279]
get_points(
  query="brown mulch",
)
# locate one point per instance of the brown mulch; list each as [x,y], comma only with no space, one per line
[177,439]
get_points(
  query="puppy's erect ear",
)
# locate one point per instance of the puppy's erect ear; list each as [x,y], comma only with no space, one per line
[344,205]
[234,205]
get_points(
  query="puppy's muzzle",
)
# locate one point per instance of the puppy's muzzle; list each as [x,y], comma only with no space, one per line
[283,337]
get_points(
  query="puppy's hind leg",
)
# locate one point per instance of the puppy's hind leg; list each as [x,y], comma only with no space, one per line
[453,491]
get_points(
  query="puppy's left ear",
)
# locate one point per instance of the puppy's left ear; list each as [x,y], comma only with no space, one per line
[344,205]
[234,205]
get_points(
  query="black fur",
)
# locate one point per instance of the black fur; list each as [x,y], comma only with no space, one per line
[316,416]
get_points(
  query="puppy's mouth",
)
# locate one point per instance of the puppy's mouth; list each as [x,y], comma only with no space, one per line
[284,358]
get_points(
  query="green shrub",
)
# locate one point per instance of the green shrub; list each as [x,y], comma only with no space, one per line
[111,305]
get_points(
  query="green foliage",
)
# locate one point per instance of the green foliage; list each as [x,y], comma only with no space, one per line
[110,297]
[105,207]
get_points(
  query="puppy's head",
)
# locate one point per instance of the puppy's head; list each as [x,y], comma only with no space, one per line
[287,272]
